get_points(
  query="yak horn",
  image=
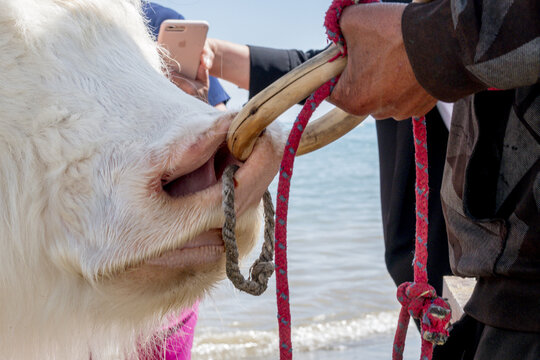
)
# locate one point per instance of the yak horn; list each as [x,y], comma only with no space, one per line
[290,89]
[326,129]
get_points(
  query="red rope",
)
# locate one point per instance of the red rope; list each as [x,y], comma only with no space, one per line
[419,298]
[285,174]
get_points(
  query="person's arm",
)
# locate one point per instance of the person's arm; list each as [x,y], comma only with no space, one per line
[452,48]
[251,67]
[228,61]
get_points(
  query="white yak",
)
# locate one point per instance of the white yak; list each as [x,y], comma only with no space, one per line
[107,171]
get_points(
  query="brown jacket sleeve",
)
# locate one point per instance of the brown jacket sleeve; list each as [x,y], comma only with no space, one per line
[459,47]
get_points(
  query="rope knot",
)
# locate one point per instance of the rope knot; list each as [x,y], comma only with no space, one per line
[413,297]
[421,302]
[436,321]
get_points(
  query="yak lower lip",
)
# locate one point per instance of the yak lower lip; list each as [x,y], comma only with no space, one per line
[206,248]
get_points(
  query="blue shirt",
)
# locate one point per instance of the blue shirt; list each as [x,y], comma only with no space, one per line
[156,14]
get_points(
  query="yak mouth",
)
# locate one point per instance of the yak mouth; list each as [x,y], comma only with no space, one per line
[206,248]
[201,178]
[191,178]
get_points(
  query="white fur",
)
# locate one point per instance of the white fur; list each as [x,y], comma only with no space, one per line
[87,120]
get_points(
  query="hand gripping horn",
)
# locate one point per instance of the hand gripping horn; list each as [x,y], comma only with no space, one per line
[288,90]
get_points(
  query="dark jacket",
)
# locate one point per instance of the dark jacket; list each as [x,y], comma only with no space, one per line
[491,187]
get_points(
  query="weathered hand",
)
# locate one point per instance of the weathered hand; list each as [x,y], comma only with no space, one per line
[378,78]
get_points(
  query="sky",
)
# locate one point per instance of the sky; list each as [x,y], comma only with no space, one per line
[275,23]
[292,24]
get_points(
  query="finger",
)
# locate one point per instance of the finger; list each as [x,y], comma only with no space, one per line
[207,56]
[203,76]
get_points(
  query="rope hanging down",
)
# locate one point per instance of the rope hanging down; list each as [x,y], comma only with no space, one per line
[285,174]
[262,268]
[419,299]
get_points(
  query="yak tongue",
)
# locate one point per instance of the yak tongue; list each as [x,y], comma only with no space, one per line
[197,180]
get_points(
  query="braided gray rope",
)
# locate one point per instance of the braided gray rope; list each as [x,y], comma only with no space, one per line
[263,268]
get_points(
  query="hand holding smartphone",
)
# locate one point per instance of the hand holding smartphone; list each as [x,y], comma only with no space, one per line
[184,40]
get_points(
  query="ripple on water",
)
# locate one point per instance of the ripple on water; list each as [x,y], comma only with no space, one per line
[318,335]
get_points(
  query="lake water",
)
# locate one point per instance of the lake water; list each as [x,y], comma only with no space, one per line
[343,303]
